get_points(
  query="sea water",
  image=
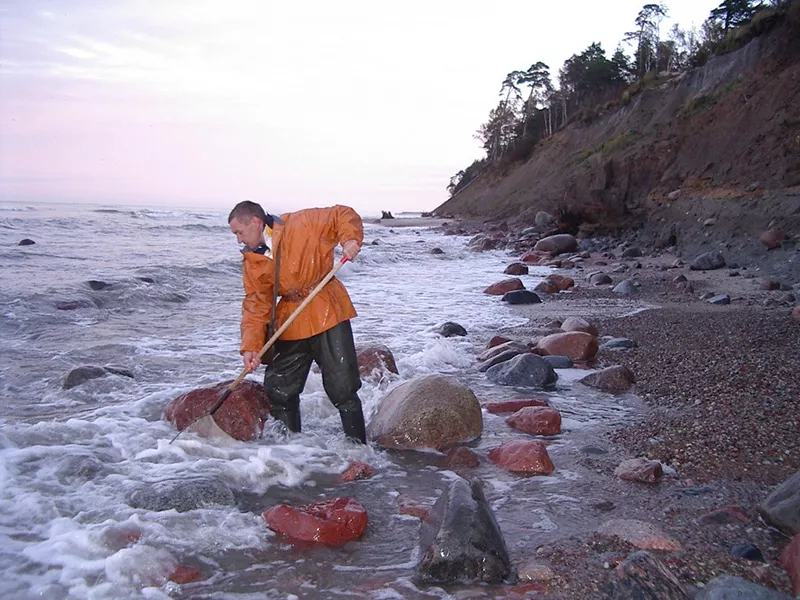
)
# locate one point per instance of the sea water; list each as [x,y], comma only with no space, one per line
[168,321]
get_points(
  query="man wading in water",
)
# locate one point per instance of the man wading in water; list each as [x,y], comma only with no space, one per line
[300,245]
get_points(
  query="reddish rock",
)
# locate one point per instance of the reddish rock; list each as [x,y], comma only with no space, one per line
[579,346]
[375,358]
[796,314]
[534,257]
[790,560]
[496,341]
[502,287]
[640,470]
[414,510]
[329,522]
[460,457]
[772,238]
[183,574]
[614,380]
[512,406]
[638,533]
[546,287]
[528,457]
[562,282]
[241,416]
[516,268]
[769,284]
[728,515]
[356,471]
[579,324]
[536,420]
[121,535]
[511,345]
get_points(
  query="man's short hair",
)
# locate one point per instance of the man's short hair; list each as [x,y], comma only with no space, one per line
[246,210]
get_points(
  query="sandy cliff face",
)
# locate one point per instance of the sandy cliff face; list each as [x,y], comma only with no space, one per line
[706,158]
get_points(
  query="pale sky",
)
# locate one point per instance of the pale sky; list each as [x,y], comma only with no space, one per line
[291,104]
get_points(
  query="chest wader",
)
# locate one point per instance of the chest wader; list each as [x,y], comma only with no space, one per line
[334,351]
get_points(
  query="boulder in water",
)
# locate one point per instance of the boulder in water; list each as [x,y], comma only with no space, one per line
[526,457]
[432,411]
[26,242]
[329,522]
[451,329]
[461,541]
[578,345]
[375,360]
[79,375]
[536,420]
[524,370]
[241,416]
[98,285]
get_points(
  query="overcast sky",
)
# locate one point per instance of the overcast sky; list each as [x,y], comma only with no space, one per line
[294,103]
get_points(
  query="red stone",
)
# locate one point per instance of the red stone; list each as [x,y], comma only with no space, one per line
[329,522]
[577,345]
[640,470]
[578,324]
[510,406]
[183,574]
[357,470]
[790,560]
[546,287]
[528,457]
[460,457]
[534,257]
[728,515]
[516,268]
[502,287]
[536,420]
[796,314]
[497,340]
[241,416]
[562,282]
[376,357]
[414,510]
[772,238]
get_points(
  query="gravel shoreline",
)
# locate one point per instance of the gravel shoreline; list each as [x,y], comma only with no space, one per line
[722,384]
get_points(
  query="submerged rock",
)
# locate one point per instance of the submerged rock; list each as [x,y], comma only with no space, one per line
[182,495]
[329,522]
[461,541]
[536,420]
[80,375]
[526,457]
[26,242]
[375,360]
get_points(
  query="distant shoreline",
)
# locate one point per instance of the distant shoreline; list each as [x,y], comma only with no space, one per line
[411,222]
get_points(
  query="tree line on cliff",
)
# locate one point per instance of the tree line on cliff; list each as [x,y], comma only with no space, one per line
[531,108]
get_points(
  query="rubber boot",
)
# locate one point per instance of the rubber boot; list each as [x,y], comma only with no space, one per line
[353,423]
[289,418]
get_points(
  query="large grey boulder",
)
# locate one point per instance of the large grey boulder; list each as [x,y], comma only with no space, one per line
[460,541]
[557,244]
[728,587]
[432,411]
[525,370]
[181,495]
[781,508]
[708,261]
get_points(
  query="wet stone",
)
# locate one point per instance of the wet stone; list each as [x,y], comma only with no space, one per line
[747,552]
[451,329]
[181,495]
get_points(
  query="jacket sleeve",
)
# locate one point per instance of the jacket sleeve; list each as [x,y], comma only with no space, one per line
[344,224]
[256,308]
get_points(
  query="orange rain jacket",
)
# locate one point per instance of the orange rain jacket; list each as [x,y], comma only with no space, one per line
[306,240]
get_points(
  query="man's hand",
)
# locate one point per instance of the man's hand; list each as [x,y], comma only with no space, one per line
[351,249]
[251,361]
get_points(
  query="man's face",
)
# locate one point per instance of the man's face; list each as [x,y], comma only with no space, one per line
[249,232]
